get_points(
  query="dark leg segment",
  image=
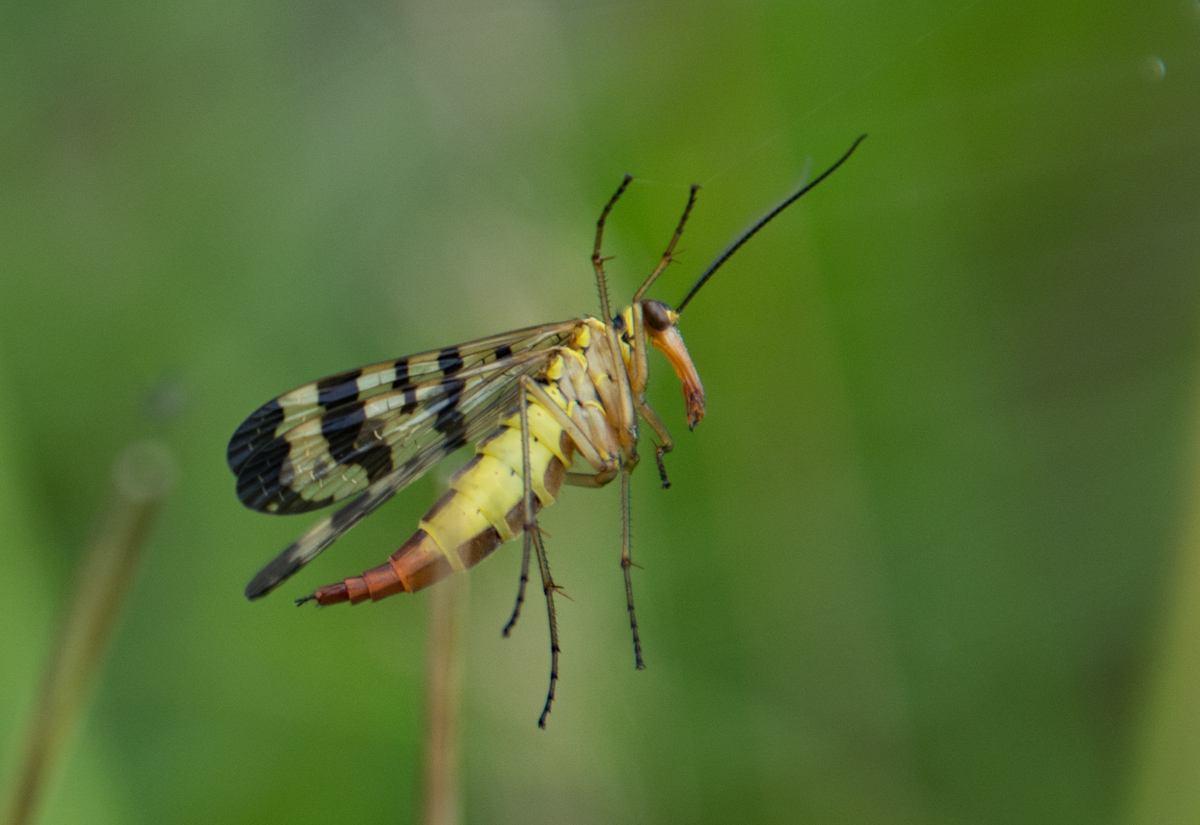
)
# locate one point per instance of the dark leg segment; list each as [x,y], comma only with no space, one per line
[662,468]
[548,587]
[533,535]
[626,563]
[512,621]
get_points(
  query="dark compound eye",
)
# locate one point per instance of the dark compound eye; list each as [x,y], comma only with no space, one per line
[656,315]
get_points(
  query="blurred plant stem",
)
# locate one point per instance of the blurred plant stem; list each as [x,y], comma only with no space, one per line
[142,476]
[440,793]
[1166,774]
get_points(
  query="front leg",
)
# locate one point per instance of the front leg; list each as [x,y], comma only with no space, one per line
[639,376]
[590,451]
[592,480]
[665,442]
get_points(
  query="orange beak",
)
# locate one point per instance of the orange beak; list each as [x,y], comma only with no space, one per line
[670,343]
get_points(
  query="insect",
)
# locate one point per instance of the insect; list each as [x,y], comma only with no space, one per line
[534,400]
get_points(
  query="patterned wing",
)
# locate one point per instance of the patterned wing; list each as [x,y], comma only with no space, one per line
[461,419]
[326,441]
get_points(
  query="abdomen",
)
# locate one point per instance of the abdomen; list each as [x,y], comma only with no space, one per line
[484,507]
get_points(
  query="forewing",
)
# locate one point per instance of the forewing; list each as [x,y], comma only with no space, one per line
[478,410]
[328,440]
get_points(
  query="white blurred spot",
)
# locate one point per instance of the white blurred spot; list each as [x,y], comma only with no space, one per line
[144,472]
[166,400]
[1153,68]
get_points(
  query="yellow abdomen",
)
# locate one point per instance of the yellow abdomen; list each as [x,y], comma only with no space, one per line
[483,508]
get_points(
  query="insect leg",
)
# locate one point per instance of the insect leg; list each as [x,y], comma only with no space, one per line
[639,368]
[667,256]
[626,563]
[533,536]
[639,374]
[597,260]
[666,443]
[606,471]
[627,429]
[639,364]
[583,443]
[548,587]
[528,505]
[512,620]
[592,480]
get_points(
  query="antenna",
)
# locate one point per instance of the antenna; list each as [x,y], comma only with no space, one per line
[749,233]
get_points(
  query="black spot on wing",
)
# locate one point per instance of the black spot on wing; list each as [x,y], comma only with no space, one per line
[503,351]
[450,420]
[374,455]
[401,379]
[342,430]
[267,480]
[410,402]
[333,390]
[450,360]
[261,477]
[352,440]
[255,430]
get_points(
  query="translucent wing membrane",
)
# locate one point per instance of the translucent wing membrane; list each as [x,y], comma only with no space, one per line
[457,419]
[328,440]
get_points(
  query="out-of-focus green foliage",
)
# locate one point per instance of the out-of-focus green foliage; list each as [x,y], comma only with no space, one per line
[919,564]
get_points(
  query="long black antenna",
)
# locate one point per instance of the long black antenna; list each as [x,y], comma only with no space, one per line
[749,233]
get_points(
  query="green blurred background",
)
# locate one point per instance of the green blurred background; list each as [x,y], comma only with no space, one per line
[931,558]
